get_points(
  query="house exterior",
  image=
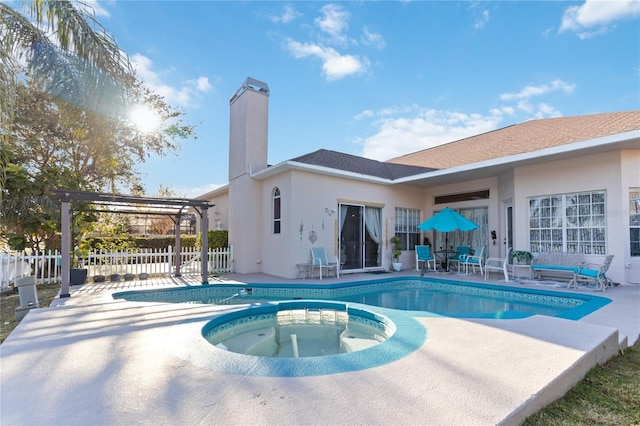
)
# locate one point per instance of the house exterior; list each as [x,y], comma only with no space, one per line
[559,184]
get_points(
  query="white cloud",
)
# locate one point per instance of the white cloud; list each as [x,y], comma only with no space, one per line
[183,95]
[334,21]
[333,24]
[202,83]
[481,20]
[288,14]
[481,16]
[595,16]
[427,128]
[367,113]
[531,91]
[196,191]
[372,39]
[334,65]
[400,130]
[545,111]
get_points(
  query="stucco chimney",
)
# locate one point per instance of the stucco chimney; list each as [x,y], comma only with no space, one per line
[248,128]
[249,109]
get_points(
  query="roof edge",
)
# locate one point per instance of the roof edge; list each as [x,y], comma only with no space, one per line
[517,158]
[327,171]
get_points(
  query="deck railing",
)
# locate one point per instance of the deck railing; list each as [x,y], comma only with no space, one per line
[45,265]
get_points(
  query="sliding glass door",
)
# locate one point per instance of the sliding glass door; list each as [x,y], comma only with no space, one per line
[360,236]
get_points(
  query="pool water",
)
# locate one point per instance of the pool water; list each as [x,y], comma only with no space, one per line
[419,295]
[298,329]
[456,304]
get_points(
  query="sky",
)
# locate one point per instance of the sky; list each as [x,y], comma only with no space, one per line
[376,79]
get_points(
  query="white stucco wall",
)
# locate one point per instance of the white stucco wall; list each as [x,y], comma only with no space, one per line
[276,249]
[630,177]
[493,204]
[248,133]
[584,173]
[305,196]
[219,213]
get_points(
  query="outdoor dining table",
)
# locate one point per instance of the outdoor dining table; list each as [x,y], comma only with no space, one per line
[442,257]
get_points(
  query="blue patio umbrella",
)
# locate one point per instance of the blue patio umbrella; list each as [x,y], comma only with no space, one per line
[447,220]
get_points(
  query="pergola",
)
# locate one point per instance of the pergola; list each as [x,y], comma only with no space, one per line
[127,204]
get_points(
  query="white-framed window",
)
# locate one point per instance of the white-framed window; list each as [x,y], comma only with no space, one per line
[277,211]
[407,221]
[573,223]
[634,221]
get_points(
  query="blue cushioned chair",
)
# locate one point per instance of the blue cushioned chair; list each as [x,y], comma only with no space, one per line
[424,256]
[587,272]
[477,259]
[320,261]
[461,252]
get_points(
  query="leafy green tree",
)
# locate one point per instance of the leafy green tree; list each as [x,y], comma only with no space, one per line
[71,54]
[64,118]
[61,43]
[114,233]
[101,151]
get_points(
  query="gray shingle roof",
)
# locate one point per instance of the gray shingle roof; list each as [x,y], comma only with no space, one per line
[355,164]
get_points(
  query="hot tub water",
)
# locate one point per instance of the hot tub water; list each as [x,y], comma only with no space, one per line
[301,332]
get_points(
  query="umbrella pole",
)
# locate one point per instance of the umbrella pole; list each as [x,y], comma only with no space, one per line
[446,251]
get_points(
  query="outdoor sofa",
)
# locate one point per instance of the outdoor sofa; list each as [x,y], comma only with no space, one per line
[556,265]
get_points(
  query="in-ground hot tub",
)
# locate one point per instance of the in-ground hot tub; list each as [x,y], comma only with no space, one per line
[298,329]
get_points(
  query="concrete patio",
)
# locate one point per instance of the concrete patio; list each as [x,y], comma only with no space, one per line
[90,359]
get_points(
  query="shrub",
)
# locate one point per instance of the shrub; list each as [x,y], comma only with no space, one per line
[218,239]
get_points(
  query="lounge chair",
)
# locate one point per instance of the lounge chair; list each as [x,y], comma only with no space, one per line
[594,272]
[319,257]
[497,264]
[477,259]
[460,252]
[424,256]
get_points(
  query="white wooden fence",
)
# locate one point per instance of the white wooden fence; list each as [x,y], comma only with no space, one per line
[18,264]
[45,265]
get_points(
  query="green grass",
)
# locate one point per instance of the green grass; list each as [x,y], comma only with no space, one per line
[608,395]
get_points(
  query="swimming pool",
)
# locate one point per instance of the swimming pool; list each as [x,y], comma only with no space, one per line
[421,296]
[400,300]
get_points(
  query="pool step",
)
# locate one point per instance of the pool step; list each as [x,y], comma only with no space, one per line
[259,342]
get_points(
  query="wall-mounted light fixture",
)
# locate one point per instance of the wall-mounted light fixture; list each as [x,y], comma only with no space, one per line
[329,211]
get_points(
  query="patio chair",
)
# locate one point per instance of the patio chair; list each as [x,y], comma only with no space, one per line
[477,259]
[497,264]
[424,257]
[460,252]
[595,272]
[319,260]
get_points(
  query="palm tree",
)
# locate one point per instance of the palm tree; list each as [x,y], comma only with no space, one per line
[61,44]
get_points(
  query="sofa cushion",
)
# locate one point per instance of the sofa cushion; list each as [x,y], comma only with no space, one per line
[557,262]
